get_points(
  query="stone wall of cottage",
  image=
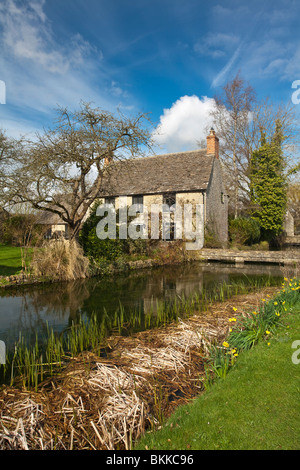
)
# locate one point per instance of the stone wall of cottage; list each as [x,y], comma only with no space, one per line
[157,199]
[215,201]
[194,198]
[217,205]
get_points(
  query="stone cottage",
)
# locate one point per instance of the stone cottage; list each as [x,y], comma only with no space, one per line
[176,180]
[193,177]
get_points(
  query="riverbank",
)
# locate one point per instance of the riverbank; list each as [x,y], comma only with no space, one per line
[107,401]
[172,255]
[123,266]
[113,268]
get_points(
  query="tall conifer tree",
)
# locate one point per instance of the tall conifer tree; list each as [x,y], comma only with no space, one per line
[268,184]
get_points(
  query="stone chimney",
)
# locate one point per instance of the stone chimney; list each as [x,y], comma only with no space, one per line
[108,157]
[212,146]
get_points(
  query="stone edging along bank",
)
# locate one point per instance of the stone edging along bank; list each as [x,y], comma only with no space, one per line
[27,279]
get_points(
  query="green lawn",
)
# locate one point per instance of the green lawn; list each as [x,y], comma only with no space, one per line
[255,407]
[10,260]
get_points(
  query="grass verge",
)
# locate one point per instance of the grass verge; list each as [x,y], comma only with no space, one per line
[256,406]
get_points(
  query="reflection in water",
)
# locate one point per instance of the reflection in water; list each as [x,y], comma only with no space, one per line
[31,309]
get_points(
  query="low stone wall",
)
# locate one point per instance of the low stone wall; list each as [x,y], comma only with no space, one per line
[236,256]
[292,241]
[20,279]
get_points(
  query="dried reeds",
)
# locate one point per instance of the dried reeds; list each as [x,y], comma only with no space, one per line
[100,406]
[22,426]
[60,259]
[122,420]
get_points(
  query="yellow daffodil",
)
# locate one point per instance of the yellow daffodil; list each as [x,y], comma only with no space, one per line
[232,319]
[225,344]
[235,309]
[275,303]
[268,332]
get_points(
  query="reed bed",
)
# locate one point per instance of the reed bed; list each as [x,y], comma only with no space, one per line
[109,377]
[186,337]
[122,420]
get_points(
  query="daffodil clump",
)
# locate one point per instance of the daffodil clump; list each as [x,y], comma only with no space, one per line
[261,323]
[245,330]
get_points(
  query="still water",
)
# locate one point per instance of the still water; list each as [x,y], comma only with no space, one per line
[30,310]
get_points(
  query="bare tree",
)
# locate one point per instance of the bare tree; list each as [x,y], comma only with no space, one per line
[231,116]
[62,171]
[239,118]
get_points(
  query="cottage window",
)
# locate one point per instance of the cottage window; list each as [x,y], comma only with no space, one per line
[110,200]
[137,200]
[169,200]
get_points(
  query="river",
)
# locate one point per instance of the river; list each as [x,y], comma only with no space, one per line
[30,310]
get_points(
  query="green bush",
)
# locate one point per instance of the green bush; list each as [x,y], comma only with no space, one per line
[244,231]
[109,249]
[95,248]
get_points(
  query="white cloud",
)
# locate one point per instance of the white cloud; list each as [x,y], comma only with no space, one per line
[184,124]
[41,72]
[27,36]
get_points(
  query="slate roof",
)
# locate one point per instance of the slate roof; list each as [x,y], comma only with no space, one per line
[176,172]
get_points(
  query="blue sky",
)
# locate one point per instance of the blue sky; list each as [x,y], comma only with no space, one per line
[164,57]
